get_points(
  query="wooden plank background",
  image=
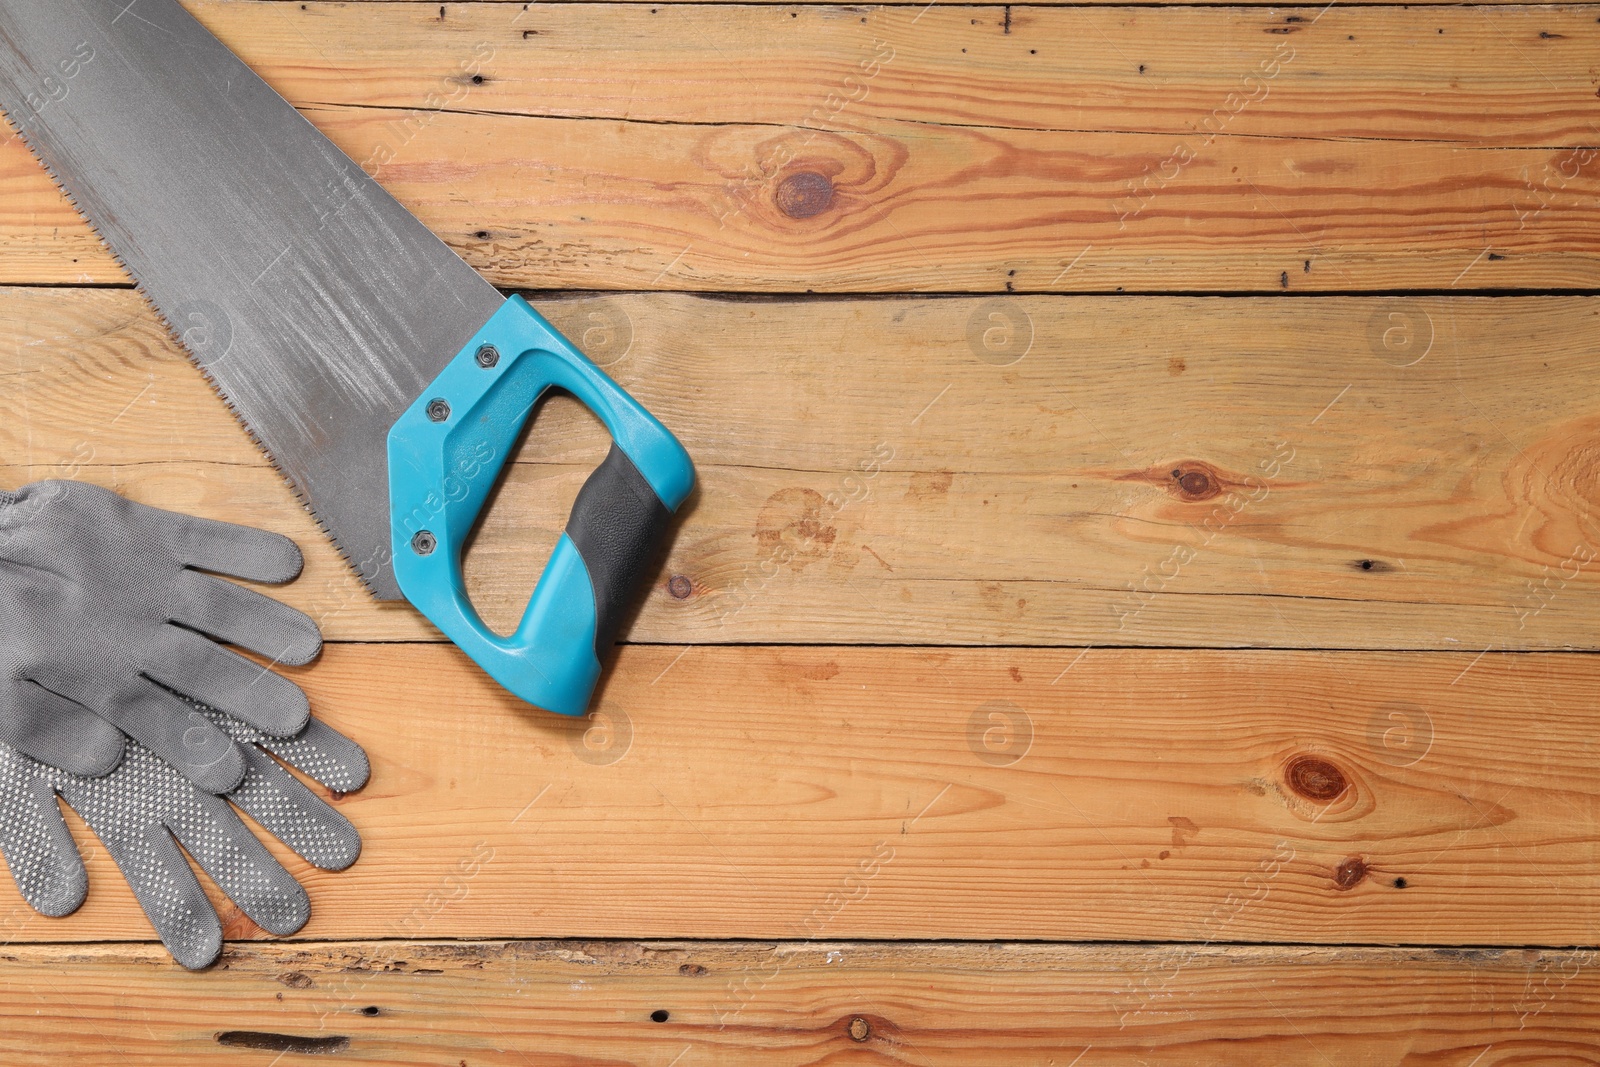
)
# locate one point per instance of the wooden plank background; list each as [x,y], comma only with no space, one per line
[811,1002]
[620,146]
[1148,467]
[1121,794]
[1375,472]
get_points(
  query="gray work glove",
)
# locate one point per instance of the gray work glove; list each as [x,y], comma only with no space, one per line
[139,808]
[104,609]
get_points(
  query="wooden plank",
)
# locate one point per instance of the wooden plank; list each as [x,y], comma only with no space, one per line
[492,1003]
[1354,153]
[1084,69]
[1119,794]
[1328,496]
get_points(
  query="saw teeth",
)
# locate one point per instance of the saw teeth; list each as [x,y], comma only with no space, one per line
[192,356]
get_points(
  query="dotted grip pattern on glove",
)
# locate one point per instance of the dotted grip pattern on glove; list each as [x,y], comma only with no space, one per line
[144,809]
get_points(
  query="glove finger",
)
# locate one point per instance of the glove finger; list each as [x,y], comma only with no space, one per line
[245,618]
[38,847]
[197,667]
[123,809]
[58,731]
[169,894]
[226,548]
[240,865]
[325,754]
[175,731]
[295,815]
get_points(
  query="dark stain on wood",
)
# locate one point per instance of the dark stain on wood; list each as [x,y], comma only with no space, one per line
[819,672]
[929,485]
[791,527]
[268,1042]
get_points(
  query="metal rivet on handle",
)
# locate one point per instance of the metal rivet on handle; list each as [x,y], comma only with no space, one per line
[488,356]
[438,409]
[424,543]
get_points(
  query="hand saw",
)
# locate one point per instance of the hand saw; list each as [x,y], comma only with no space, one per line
[386,379]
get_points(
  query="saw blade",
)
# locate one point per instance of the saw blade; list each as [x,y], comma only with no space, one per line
[318,307]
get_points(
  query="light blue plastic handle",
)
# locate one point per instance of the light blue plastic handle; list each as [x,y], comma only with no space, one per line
[445,453]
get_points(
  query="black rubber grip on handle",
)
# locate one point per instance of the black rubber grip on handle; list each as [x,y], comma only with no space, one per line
[617,524]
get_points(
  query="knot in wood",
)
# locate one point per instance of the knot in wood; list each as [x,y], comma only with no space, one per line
[804,194]
[1194,482]
[1349,874]
[1315,778]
